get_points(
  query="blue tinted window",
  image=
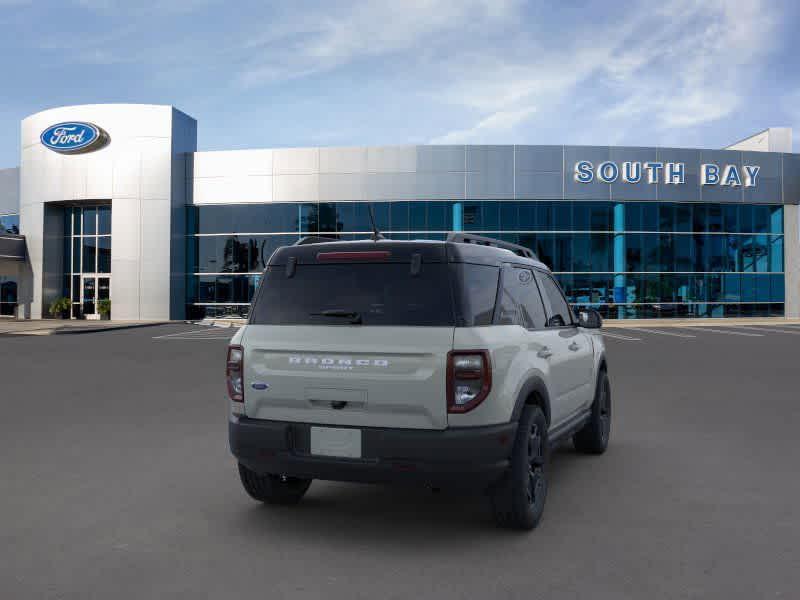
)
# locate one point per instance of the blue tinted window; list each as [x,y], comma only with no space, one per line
[562,216]
[746,218]
[777,289]
[714,218]
[581,218]
[9,224]
[730,217]
[491,215]
[399,216]
[723,239]
[527,217]
[545,216]
[776,219]
[417,216]
[104,220]
[439,216]
[633,252]
[761,219]
[562,247]
[700,218]
[649,216]
[509,215]
[633,216]
[683,217]
[89,221]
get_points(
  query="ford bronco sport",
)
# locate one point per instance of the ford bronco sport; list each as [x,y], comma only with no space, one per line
[454,362]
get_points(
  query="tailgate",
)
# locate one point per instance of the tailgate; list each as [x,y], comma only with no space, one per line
[380,376]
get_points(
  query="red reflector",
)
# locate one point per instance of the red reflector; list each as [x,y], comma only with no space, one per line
[369,255]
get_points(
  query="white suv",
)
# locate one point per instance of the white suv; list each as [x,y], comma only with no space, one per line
[454,362]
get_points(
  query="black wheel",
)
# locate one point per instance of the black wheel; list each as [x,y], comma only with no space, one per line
[593,438]
[519,500]
[273,489]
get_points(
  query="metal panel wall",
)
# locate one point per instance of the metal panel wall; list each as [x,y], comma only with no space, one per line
[474,172]
[135,171]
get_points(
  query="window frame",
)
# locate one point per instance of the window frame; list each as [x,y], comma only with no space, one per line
[504,268]
[548,306]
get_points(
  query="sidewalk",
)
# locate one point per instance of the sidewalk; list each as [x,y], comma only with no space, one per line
[65,326]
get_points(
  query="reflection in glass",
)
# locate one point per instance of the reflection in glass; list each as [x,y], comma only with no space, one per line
[88,295]
[104,254]
[89,251]
[89,221]
[104,220]
[687,262]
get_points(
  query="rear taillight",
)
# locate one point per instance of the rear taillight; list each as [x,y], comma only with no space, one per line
[234,373]
[469,379]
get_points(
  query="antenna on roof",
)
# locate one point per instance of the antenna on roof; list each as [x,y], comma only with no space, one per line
[376,234]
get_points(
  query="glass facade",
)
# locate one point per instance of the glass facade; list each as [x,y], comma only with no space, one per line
[87,257]
[9,224]
[627,259]
[8,296]
[8,285]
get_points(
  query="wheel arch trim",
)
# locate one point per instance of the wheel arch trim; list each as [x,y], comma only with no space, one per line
[533,385]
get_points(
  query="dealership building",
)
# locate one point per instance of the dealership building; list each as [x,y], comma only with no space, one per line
[112,202]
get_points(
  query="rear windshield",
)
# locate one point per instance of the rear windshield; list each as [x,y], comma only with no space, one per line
[366,294]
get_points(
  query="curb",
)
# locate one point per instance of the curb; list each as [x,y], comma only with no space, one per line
[82,330]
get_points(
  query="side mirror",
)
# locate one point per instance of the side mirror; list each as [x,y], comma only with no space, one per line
[589,318]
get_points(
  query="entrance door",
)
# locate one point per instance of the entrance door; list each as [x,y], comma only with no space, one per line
[93,290]
[89,294]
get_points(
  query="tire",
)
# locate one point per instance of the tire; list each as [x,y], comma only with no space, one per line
[593,438]
[518,502]
[273,489]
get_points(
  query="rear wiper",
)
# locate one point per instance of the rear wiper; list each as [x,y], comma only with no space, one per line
[355,318]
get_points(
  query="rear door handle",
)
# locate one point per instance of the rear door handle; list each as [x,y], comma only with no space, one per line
[544,353]
[574,347]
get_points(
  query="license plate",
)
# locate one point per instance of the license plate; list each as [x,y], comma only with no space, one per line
[335,441]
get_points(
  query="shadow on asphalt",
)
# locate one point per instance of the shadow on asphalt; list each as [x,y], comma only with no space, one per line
[366,514]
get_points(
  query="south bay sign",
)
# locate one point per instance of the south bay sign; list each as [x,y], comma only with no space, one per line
[665,172]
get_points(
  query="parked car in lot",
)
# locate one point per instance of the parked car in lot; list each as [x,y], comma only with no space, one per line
[445,363]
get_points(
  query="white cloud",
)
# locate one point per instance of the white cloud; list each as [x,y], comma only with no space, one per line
[501,121]
[333,35]
[676,65]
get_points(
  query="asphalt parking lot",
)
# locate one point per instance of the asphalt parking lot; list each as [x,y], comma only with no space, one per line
[117,483]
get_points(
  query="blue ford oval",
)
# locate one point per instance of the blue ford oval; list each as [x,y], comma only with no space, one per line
[74,137]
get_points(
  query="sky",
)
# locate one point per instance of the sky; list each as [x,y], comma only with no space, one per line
[259,74]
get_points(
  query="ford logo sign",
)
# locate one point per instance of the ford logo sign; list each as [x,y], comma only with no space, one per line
[74,137]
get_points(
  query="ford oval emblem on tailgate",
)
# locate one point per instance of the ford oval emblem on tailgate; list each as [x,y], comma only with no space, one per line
[257,385]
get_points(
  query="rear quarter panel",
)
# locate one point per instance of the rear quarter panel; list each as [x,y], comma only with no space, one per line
[514,361]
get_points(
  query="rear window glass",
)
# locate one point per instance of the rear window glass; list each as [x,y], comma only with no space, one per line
[379,294]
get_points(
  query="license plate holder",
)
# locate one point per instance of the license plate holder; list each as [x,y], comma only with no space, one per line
[336,442]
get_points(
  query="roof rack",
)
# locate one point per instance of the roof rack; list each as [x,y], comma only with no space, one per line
[467,238]
[315,239]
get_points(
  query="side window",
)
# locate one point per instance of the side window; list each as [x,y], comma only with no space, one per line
[560,313]
[476,292]
[520,302]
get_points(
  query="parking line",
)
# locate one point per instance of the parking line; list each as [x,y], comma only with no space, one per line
[726,331]
[195,338]
[770,329]
[616,336]
[659,332]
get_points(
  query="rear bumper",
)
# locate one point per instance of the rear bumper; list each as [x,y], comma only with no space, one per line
[469,456]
